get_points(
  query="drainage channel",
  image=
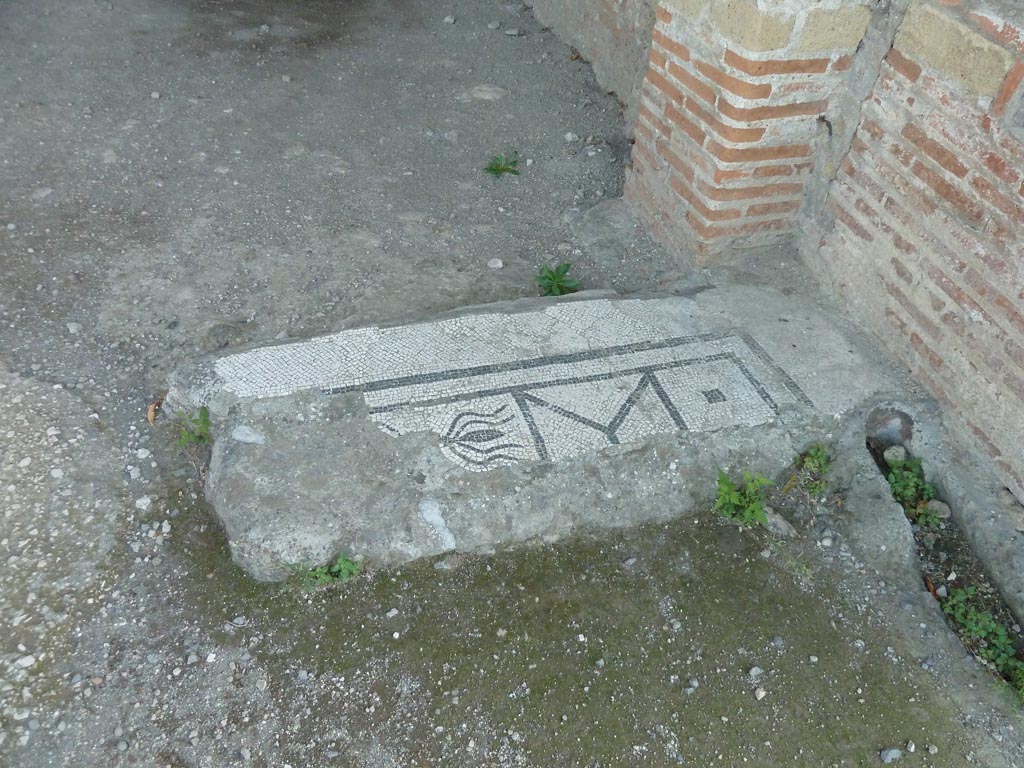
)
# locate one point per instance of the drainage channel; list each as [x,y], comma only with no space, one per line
[952,573]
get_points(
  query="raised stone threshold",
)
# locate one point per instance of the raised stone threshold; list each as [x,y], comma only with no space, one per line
[523,421]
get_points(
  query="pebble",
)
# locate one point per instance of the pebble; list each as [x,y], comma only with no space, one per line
[890,755]
[932,749]
[449,19]
[26,661]
[392,613]
[143,453]
[25,462]
[122,746]
[155,95]
[778,642]
[911,747]
[570,137]
[286,78]
[894,454]
[940,508]
[512,32]
[813,659]
[760,693]
[494,25]
[244,434]
[495,263]
[143,504]
[261,684]
[74,328]
[755,672]
[245,753]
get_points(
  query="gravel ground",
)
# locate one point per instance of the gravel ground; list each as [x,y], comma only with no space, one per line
[178,176]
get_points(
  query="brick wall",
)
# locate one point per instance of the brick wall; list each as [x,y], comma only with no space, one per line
[733,105]
[927,246]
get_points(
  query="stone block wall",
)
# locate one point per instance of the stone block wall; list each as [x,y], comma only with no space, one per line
[927,244]
[734,103]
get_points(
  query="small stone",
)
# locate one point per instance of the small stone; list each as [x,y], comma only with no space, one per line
[57,474]
[449,19]
[143,504]
[932,749]
[286,78]
[495,263]
[512,32]
[940,508]
[244,753]
[760,693]
[155,95]
[755,672]
[143,453]
[676,624]
[826,541]
[494,25]
[529,162]
[244,434]
[813,659]
[192,658]
[392,613]
[570,137]
[25,462]
[261,684]
[778,642]
[693,682]
[122,746]
[894,454]
[911,747]
[890,755]
[74,328]
[777,525]
[952,576]
[942,592]
[26,661]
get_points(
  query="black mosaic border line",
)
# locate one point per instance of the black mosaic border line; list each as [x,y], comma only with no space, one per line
[523,365]
[513,389]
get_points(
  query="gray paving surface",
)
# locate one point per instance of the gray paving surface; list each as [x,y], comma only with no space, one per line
[178,177]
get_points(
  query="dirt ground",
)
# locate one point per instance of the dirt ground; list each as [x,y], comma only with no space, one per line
[182,176]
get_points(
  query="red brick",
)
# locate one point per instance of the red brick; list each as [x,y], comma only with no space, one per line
[901,270]
[709,214]
[690,129]
[903,65]
[767,209]
[773,170]
[656,123]
[727,132]
[851,223]
[968,207]
[734,85]
[775,66]
[934,150]
[698,87]
[997,198]
[707,232]
[663,85]
[663,15]
[778,112]
[658,59]
[755,154]
[1008,88]
[675,161]
[999,167]
[670,45]
[750,193]
[842,64]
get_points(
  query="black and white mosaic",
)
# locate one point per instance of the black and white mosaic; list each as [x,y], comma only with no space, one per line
[535,386]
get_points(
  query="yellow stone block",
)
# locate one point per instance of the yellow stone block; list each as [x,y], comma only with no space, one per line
[688,9]
[944,44]
[839,29]
[742,22]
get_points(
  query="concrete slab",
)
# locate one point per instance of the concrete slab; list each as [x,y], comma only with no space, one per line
[514,422]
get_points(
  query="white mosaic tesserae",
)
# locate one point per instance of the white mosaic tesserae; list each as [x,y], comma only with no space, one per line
[531,386]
